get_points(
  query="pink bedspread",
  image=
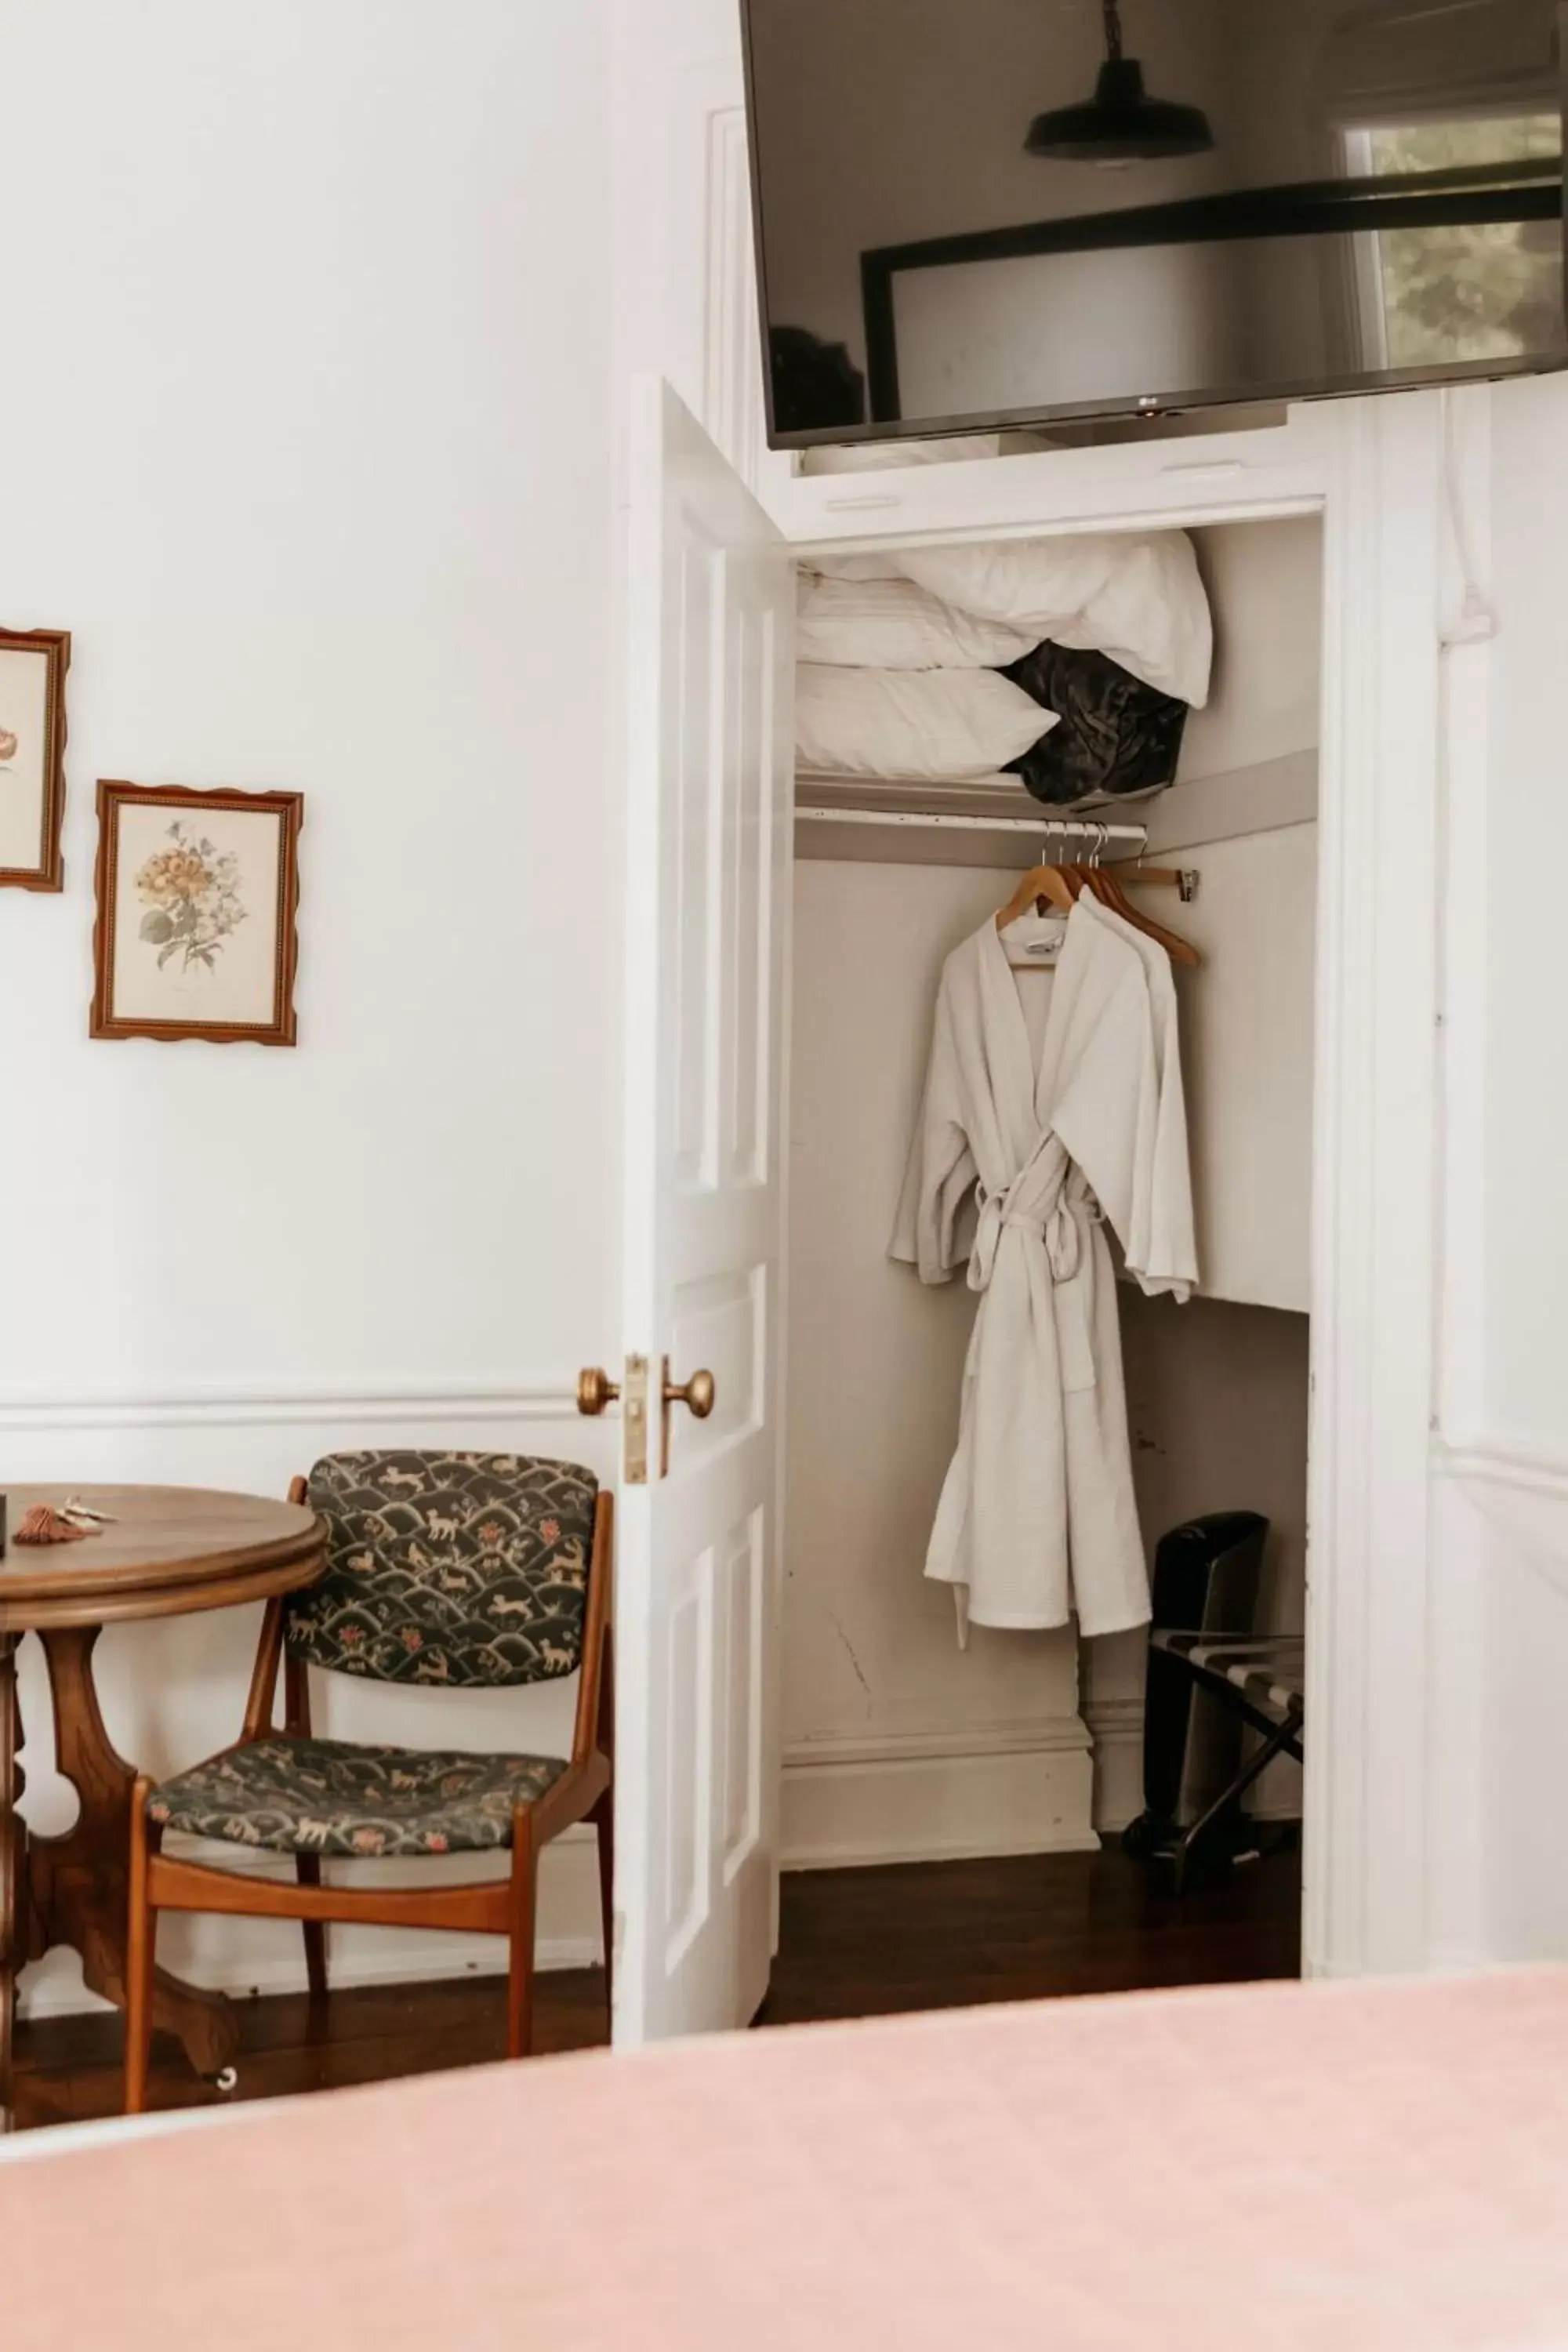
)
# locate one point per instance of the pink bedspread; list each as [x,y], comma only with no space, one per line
[1336,2169]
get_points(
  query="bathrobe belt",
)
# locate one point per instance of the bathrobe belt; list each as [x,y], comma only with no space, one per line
[1060,1228]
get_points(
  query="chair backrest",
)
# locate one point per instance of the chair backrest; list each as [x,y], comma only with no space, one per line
[448,1568]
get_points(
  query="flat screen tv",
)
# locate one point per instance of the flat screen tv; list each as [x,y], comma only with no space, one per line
[982,213]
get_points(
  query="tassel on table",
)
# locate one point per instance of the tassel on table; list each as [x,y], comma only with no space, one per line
[43,1526]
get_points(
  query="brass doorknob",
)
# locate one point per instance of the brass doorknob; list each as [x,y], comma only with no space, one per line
[596,1389]
[698,1393]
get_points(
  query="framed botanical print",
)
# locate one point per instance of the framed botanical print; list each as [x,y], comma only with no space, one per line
[196,900]
[33,665]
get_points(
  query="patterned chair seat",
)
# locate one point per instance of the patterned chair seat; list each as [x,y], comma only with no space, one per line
[297,1795]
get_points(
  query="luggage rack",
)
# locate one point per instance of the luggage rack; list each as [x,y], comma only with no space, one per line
[1261,1678]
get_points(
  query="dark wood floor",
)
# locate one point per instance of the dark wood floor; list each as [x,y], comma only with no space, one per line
[854,1944]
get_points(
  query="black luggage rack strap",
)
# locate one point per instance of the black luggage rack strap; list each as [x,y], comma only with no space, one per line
[1261,1678]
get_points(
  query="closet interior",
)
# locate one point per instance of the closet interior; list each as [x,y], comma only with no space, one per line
[900,1746]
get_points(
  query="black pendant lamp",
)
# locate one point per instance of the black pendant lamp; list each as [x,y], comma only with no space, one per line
[1120,123]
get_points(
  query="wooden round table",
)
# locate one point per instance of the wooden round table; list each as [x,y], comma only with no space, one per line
[169,1551]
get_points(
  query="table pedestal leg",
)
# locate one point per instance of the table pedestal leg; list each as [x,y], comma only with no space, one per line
[13,1885]
[78,1881]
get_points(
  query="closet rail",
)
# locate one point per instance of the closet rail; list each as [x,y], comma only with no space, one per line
[1126,841]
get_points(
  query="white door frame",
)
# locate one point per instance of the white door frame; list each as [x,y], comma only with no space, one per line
[1375,471]
[1372,470]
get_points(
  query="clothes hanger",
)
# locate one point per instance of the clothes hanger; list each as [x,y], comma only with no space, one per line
[1109,891]
[1045,887]
[1054,886]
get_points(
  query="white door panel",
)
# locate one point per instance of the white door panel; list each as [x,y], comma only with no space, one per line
[709,805]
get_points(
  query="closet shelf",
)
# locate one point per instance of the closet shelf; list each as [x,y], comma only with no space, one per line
[918,824]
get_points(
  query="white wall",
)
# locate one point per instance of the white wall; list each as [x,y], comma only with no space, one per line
[1248,1059]
[1265,582]
[1495,1635]
[308,435]
[1247,1016]
[1528,807]
[1502,1636]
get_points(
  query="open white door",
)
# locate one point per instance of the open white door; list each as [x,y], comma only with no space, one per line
[711,598]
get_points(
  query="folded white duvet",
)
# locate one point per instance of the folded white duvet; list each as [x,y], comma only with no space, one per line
[896,624]
[1135,595]
[937,726]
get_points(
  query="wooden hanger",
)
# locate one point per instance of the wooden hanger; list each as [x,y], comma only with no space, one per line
[1109,891]
[1042,886]
[1057,886]
[1060,887]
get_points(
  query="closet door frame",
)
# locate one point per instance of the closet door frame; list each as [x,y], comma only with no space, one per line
[1375,471]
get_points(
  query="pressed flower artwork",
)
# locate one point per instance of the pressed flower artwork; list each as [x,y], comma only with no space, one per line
[191,892]
[32,666]
[196,898]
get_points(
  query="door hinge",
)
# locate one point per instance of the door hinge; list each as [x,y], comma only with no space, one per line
[634,1422]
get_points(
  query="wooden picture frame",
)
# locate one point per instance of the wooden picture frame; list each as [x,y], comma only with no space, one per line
[197,900]
[32,666]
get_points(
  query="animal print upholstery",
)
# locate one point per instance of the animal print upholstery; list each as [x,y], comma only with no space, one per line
[456,1569]
[293,1795]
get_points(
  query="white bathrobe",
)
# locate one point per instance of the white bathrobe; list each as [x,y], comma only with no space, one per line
[1037,1519]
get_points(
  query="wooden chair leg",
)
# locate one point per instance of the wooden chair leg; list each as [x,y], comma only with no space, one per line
[520,1956]
[604,1819]
[306,1866]
[141,1929]
[308,1871]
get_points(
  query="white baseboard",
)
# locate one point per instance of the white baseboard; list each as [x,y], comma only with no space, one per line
[417,1960]
[938,1796]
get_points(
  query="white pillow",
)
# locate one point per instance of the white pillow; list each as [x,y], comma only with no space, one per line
[895,624]
[1135,595]
[939,726]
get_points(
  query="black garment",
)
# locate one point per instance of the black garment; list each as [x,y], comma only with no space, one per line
[1116,736]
